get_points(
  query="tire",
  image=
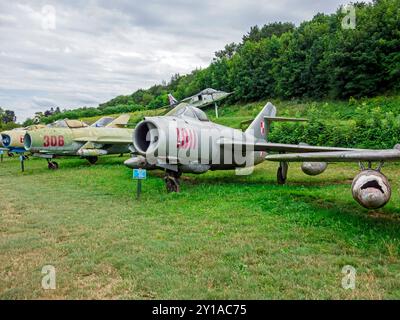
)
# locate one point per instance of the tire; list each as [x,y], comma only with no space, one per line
[280,178]
[52,165]
[172,184]
[92,160]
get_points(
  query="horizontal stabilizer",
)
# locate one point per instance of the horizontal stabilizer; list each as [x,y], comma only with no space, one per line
[284,119]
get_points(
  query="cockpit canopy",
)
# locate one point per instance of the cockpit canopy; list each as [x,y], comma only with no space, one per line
[192,112]
[66,123]
[103,122]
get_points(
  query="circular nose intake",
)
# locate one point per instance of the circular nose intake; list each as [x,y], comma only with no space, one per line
[6,140]
[27,141]
[371,189]
[146,137]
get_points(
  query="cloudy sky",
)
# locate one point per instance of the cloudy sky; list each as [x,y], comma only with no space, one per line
[81,53]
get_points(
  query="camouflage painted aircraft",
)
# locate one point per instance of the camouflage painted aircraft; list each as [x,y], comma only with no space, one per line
[76,138]
[185,141]
[12,141]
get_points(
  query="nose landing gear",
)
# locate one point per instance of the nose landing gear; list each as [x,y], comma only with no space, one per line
[171,179]
[92,160]
[52,165]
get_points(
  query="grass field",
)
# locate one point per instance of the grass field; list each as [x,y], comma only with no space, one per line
[223,236]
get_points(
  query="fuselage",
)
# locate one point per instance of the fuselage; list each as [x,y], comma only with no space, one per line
[191,144]
[67,141]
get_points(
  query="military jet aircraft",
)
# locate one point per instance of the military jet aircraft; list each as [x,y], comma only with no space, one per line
[200,100]
[76,138]
[186,141]
[12,141]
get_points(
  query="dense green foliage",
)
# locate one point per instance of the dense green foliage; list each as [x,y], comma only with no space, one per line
[319,59]
[7,119]
[366,123]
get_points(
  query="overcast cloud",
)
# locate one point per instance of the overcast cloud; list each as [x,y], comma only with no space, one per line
[101,49]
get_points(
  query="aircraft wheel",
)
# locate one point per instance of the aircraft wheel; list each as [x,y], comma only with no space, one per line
[10,154]
[172,181]
[92,160]
[281,175]
[52,165]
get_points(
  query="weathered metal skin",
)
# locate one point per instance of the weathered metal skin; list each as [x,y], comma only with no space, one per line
[371,189]
[71,141]
[314,168]
[13,138]
[154,136]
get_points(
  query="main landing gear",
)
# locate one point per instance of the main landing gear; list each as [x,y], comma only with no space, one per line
[92,160]
[282,172]
[52,165]
[171,179]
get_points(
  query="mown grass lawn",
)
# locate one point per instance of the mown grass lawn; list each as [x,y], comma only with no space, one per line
[223,236]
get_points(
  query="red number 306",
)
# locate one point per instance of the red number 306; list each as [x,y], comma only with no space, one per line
[53,141]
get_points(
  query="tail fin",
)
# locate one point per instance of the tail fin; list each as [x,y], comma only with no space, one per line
[257,127]
[172,100]
[120,122]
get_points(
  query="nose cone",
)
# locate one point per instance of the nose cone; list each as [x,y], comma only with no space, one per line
[33,140]
[27,142]
[6,139]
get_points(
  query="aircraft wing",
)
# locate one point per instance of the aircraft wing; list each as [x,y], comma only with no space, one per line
[279,147]
[105,140]
[341,156]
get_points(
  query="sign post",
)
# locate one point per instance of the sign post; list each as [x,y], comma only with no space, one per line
[139,175]
[22,159]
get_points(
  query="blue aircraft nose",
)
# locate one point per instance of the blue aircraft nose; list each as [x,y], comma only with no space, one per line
[6,140]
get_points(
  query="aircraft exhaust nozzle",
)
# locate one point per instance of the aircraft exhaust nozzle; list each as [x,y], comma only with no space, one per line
[313,168]
[146,137]
[371,189]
